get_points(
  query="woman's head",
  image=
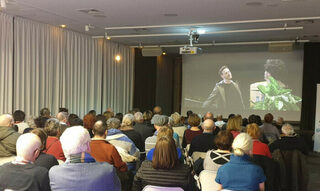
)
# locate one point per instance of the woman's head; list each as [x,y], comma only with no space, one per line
[165,131]
[194,120]
[176,118]
[287,130]
[42,135]
[233,124]
[147,115]
[127,120]
[224,140]
[254,131]
[52,127]
[242,144]
[165,154]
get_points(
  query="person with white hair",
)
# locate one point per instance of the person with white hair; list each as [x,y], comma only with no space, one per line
[8,136]
[22,174]
[239,173]
[289,141]
[81,171]
[127,129]
[142,128]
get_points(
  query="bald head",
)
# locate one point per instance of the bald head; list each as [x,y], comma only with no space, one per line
[157,110]
[62,116]
[28,146]
[6,120]
[208,125]
[208,115]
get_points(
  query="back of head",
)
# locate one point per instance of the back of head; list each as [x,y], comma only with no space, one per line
[72,116]
[99,128]
[268,118]
[92,112]
[19,115]
[189,113]
[242,144]
[208,115]
[42,135]
[75,122]
[89,120]
[40,122]
[254,131]
[194,120]
[147,115]
[62,116]
[233,124]
[63,109]
[113,123]
[119,116]
[176,118]
[45,112]
[27,144]
[219,117]
[160,120]
[165,131]
[157,110]
[108,114]
[6,120]
[75,140]
[138,117]
[287,130]
[52,127]
[127,120]
[224,140]
[165,154]
[208,125]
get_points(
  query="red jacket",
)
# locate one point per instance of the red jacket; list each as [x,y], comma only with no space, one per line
[53,147]
[260,148]
[103,151]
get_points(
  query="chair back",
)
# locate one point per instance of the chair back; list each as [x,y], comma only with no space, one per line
[207,180]
[161,188]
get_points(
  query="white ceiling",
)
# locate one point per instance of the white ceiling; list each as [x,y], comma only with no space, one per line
[152,12]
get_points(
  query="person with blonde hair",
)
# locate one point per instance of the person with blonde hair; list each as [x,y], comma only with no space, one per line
[234,126]
[259,148]
[239,173]
[178,127]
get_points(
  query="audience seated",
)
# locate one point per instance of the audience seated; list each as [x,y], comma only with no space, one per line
[125,146]
[239,173]
[164,169]
[259,148]
[219,123]
[204,142]
[157,110]
[142,128]
[290,141]
[147,116]
[234,126]
[108,114]
[268,130]
[189,134]
[45,160]
[102,150]
[216,158]
[127,129]
[8,136]
[81,171]
[22,174]
[19,117]
[62,117]
[53,145]
[88,121]
[177,126]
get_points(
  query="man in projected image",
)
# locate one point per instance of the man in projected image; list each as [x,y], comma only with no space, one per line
[226,94]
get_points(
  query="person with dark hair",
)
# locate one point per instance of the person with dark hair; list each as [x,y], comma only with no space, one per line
[19,117]
[45,160]
[147,116]
[40,122]
[108,114]
[216,158]
[53,145]
[72,116]
[189,134]
[226,94]
[89,120]
[164,164]
[102,150]
[75,122]
[92,112]
[268,130]
[45,112]
[119,116]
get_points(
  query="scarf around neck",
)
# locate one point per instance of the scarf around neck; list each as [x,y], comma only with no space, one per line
[81,158]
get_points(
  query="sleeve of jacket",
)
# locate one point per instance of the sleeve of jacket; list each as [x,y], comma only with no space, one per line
[118,163]
[212,97]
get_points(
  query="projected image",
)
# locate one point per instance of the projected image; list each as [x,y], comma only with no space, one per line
[273,94]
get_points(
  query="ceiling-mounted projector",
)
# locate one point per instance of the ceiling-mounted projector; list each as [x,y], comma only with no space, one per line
[188,50]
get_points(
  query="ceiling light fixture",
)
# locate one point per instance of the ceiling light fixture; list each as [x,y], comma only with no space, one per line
[63,26]
[118,58]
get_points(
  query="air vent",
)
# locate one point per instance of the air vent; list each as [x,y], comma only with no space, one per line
[92,12]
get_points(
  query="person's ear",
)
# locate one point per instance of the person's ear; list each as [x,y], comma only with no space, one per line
[36,154]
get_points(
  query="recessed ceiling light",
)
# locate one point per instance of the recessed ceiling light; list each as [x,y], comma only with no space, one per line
[201,31]
[254,4]
[170,14]
[164,53]
[108,37]
[63,26]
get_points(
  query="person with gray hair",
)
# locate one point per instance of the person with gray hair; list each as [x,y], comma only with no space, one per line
[289,141]
[204,142]
[127,149]
[81,171]
[62,117]
[8,136]
[127,129]
[239,173]
[22,174]
[142,128]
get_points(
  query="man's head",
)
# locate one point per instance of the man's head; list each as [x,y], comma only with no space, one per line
[63,109]
[62,117]
[268,118]
[100,129]
[157,110]
[75,140]
[6,120]
[159,121]
[19,116]
[108,114]
[92,112]
[28,146]
[138,117]
[113,123]
[208,115]
[225,73]
[208,126]
[219,117]
[287,130]
[45,112]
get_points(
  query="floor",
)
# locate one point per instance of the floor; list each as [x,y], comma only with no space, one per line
[314,171]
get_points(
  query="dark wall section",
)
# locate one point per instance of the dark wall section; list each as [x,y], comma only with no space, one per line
[157,82]
[311,77]
[144,81]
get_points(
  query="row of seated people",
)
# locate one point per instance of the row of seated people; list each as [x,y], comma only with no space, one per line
[126,152]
